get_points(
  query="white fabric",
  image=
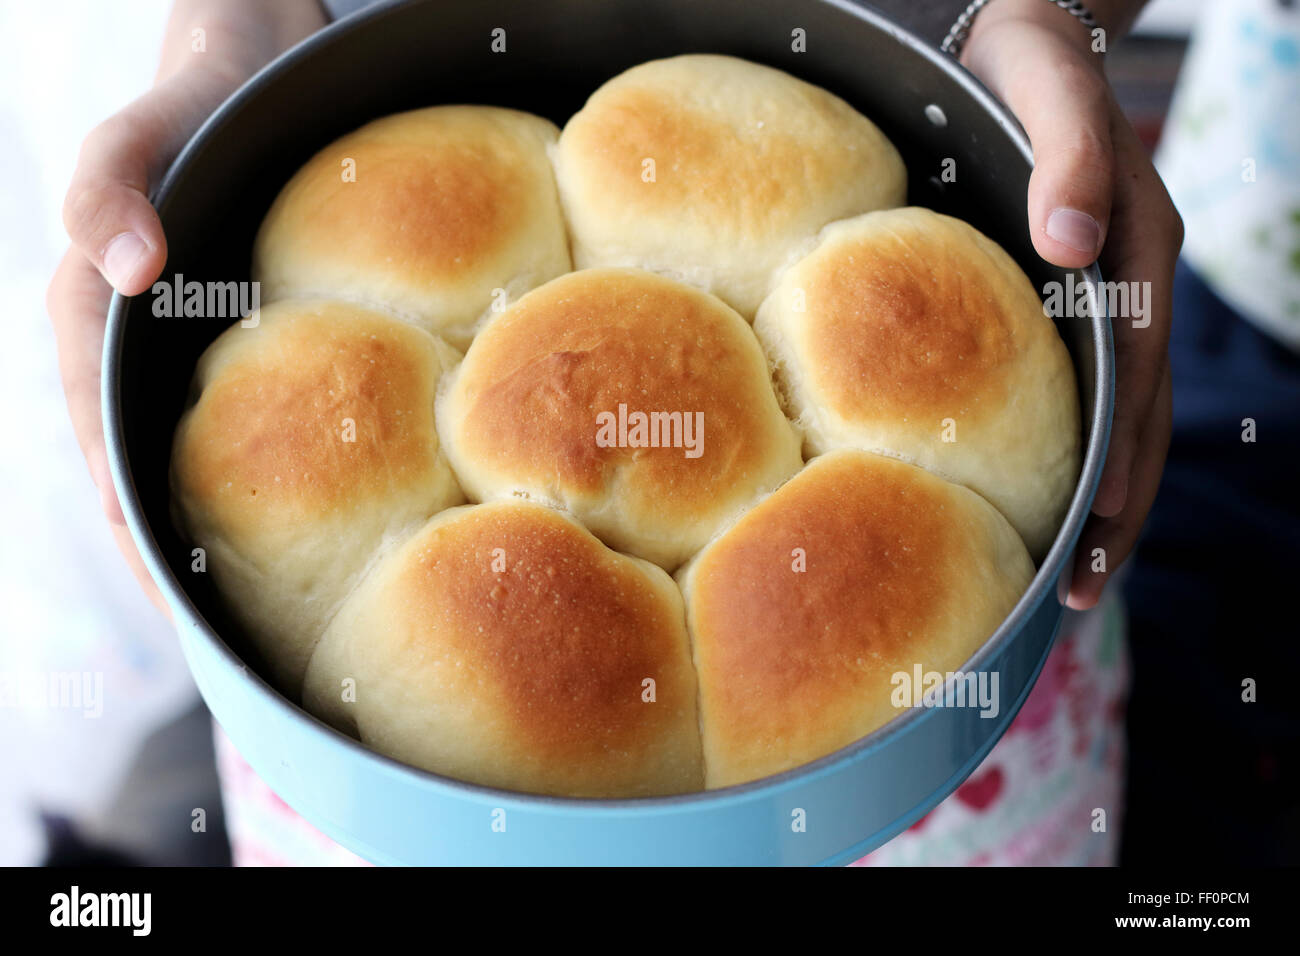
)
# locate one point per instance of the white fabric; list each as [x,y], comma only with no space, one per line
[1231,159]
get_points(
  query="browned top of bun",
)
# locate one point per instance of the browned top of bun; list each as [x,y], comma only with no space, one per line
[587,342]
[264,445]
[930,321]
[874,539]
[535,409]
[504,644]
[564,635]
[908,332]
[745,147]
[436,194]
[858,568]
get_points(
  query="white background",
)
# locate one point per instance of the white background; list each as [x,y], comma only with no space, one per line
[67,602]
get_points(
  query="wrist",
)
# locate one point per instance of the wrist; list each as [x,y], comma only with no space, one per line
[1060,23]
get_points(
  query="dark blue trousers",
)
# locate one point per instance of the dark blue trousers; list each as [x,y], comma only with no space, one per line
[1214,600]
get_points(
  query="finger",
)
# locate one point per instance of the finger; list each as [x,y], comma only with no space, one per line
[126,545]
[1139,260]
[77,300]
[1112,539]
[107,211]
[1135,384]
[1064,104]
[1070,188]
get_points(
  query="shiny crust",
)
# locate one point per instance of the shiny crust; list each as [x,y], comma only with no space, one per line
[263,474]
[903,322]
[504,644]
[899,568]
[749,163]
[448,205]
[520,414]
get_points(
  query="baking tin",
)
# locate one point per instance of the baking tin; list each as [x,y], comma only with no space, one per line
[398,56]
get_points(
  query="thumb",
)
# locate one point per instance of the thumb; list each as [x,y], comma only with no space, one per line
[1064,104]
[107,211]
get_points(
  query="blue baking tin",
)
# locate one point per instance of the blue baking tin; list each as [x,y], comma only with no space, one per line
[404,55]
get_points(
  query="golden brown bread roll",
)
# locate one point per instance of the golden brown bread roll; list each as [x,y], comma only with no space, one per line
[910,333]
[716,171]
[545,402]
[504,645]
[801,613]
[629,403]
[311,445]
[425,213]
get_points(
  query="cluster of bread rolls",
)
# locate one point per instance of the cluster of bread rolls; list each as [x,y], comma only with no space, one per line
[627,460]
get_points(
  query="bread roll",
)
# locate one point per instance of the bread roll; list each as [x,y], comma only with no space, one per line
[716,171]
[800,614]
[546,404]
[427,213]
[910,333]
[506,646]
[310,446]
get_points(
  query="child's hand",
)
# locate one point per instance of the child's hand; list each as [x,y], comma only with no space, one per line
[1093,191]
[117,239]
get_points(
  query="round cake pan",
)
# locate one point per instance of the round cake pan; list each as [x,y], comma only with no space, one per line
[556,52]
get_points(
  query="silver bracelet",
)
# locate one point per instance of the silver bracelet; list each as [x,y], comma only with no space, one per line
[960,29]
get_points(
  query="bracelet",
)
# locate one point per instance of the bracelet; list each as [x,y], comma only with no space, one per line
[960,29]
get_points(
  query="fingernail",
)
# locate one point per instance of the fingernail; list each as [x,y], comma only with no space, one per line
[1079,601]
[122,258]
[1075,229]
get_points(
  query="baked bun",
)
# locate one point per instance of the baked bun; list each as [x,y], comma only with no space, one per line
[504,645]
[545,406]
[899,568]
[441,215]
[310,445]
[910,333]
[424,340]
[716,171]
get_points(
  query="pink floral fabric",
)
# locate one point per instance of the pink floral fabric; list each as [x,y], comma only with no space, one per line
[1050,793]
[263,829]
